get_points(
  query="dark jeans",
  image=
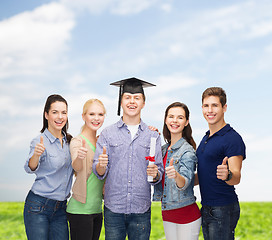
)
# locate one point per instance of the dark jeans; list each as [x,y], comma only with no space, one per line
[85,226]
[118,225]
[45,218]
[219,223]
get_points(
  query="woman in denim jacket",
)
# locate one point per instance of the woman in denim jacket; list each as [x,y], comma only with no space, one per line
[180,214]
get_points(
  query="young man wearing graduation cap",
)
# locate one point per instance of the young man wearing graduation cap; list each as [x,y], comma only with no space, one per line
[120,157]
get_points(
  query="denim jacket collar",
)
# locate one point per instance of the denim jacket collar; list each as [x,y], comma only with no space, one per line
[177,145]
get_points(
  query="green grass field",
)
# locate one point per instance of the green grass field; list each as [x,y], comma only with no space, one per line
[255,222]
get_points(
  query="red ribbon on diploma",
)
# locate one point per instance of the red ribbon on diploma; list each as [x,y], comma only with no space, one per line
[151,159]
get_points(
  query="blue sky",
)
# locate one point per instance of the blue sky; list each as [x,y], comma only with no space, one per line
[76,48]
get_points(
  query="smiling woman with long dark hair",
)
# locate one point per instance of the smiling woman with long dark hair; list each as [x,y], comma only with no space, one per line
[180,214]
[49,159]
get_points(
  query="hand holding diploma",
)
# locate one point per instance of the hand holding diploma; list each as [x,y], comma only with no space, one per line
[152,169]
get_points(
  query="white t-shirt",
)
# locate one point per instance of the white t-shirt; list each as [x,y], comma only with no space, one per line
[133,130]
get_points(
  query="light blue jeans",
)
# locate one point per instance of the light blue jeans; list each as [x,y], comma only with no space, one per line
[118,225]
[45,218]
[219,223]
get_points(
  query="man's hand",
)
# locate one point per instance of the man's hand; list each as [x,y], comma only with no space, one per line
[103,159]
[152,170]
[223,170]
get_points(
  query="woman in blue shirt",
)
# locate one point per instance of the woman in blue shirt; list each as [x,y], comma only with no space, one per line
[49,158]
[180,214]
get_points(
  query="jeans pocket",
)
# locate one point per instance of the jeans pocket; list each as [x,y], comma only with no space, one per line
[216,213]
[34,207]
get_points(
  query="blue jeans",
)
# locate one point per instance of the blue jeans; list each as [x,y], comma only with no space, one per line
[45,218]
[118,225]
[219,223]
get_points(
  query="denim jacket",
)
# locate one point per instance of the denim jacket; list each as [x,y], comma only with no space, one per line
[185,161]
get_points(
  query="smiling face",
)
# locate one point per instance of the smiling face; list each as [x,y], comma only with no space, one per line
[94,116]
[56,117]
[213,111]
[176,120]
[132,104]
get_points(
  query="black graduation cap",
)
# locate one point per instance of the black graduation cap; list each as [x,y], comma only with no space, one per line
[130,85]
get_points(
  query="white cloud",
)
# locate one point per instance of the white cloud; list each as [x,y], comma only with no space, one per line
[182,41]
[173,82]
[32,41]
[93,6]
[214,28]
[166,7]
[117,7]
[127,7]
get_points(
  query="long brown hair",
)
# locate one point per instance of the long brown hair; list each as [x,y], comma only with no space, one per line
[186,132]
[51,99]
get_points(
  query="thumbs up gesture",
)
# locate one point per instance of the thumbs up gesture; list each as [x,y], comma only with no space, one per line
[223,170]
[39,148]
[82,151]
[103,158]
[170,170]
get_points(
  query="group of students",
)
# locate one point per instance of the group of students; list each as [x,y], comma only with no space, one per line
[116,165]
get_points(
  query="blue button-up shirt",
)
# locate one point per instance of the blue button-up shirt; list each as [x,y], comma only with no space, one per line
[126,188]
[54,172]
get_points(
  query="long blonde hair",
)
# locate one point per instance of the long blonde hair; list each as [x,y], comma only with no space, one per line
[87,104]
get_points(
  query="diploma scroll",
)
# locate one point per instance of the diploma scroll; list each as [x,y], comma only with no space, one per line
[152,155]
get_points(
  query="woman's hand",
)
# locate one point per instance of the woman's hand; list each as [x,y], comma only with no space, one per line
[82,151]
[39,148]
[170,170]
[38,151]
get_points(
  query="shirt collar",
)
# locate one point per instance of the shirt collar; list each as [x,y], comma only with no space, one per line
[51,137]
[120,124]
[222,131]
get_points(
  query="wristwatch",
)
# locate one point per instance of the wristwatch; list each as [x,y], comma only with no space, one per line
[229,176]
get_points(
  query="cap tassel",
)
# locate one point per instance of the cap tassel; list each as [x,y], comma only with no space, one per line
[119,101]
